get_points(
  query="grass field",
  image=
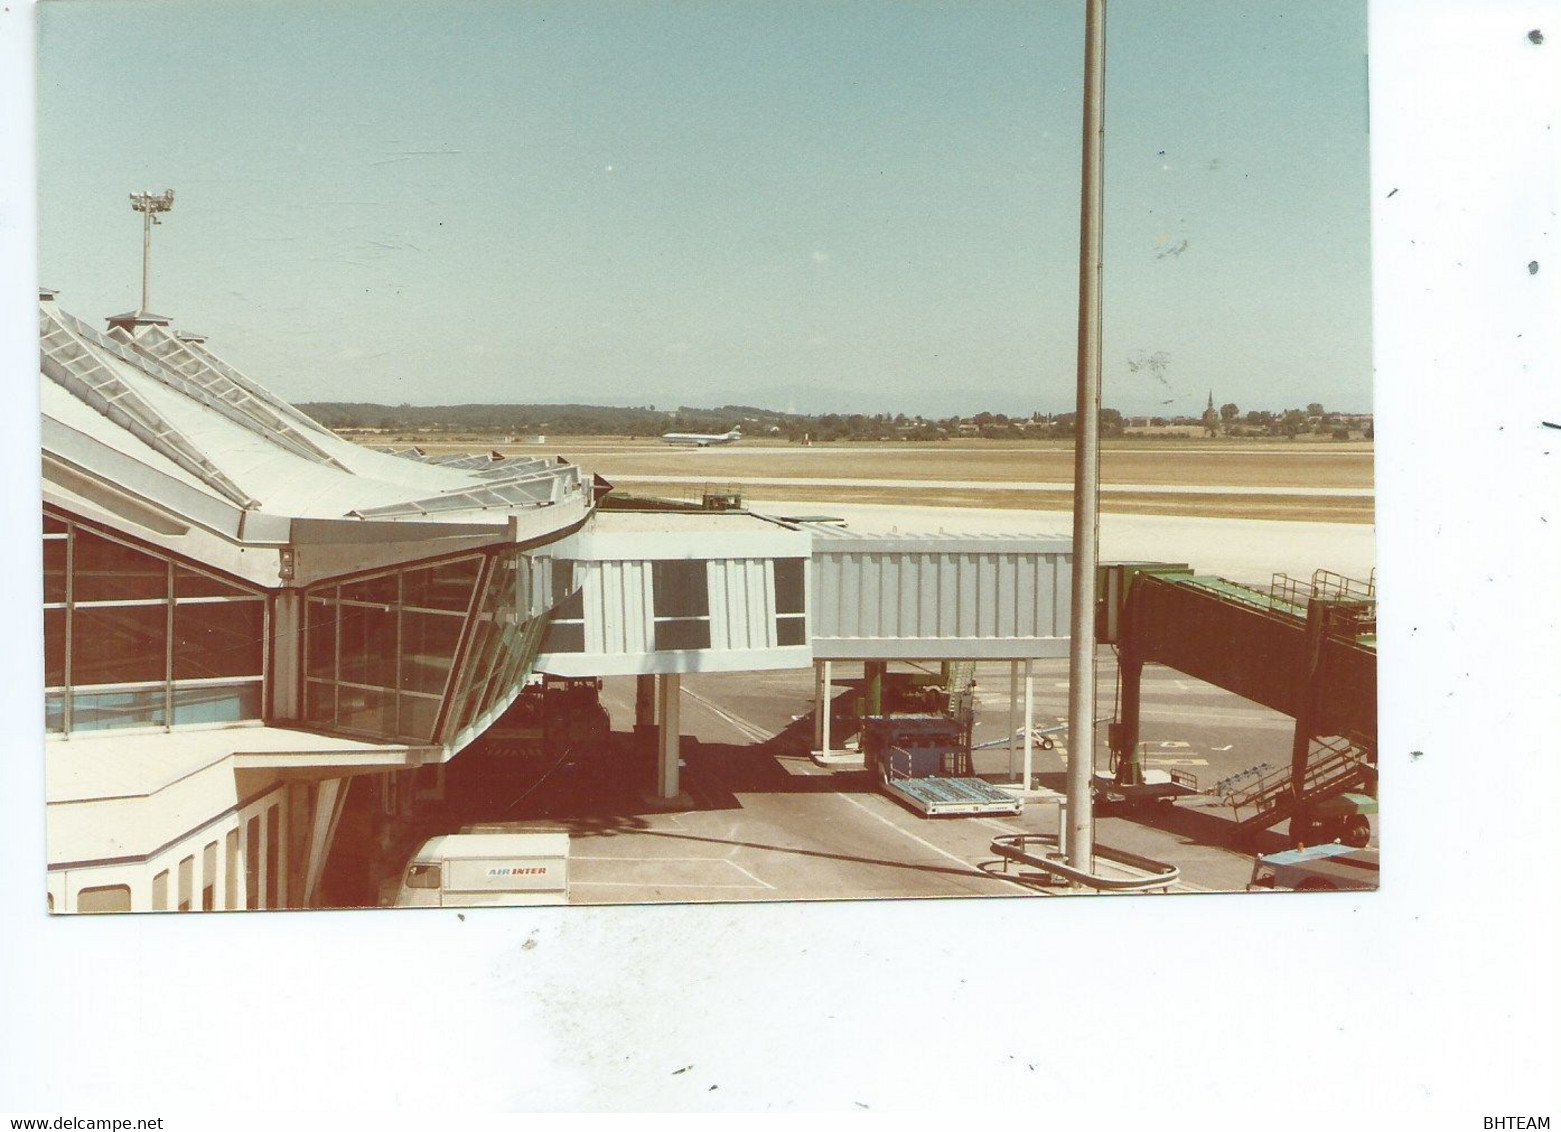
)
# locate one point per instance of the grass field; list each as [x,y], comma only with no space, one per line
[1327,480]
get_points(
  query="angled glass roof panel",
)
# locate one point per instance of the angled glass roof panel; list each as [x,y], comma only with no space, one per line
[538,490]
[69,362]
[163,359]
[218,385]
[516,465]
[300,419]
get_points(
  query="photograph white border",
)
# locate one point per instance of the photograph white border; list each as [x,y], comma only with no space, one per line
[1436,996]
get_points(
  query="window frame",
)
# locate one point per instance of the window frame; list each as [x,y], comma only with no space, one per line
[789,620]
[61,698]
[662,581]
[327,596]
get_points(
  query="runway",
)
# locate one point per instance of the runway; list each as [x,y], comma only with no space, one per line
[990,485]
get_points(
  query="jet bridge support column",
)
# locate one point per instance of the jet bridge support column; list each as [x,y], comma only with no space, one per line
[1013,718]
[669,688]
[1319,612]
[1029,724]
[1124,733]
[820,705]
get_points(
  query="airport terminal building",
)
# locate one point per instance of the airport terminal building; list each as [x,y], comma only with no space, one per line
[244,613]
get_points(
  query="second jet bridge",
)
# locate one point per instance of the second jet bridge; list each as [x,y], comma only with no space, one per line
[1306,650]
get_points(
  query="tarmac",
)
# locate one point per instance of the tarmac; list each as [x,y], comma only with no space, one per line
[761,821]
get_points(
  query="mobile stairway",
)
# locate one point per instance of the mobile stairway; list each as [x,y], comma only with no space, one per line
[1335,791]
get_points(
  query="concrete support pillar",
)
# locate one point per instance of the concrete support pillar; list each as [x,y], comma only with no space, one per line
[670,687]
[820,704]
[1029,722]
[827,708]
[286,655]
[1013,719]
[330,797]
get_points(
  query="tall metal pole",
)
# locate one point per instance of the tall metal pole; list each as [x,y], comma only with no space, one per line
[149,205]
[1080,841]
[146,261]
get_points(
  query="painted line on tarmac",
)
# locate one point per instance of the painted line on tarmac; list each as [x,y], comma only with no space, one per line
[796,766]
[757,882]
[745,728]
[919,840]
[749,875]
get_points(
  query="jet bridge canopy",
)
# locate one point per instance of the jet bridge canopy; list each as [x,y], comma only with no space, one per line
[941,596]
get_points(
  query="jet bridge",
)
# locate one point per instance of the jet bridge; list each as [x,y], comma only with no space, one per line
[1306,649]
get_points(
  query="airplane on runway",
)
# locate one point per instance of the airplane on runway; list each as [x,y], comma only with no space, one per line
[701,439]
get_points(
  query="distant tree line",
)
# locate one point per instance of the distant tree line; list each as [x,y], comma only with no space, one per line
[646,421]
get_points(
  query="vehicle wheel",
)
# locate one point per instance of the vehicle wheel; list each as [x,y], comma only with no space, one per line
[1305,831]
[1357,832]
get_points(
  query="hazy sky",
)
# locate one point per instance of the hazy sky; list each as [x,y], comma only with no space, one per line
[852,205]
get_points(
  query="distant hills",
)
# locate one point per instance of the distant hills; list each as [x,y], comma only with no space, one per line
[557,420]
[652,421]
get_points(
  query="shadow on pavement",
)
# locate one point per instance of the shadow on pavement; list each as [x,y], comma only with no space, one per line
[1199,824]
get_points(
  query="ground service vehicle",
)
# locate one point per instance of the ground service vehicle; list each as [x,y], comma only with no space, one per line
[923,762]
[474,870]
[1340,818]
[1316,867]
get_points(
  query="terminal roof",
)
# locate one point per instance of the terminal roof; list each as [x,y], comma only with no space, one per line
[140,398]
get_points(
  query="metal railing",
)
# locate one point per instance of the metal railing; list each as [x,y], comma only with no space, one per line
[1323,584]
[1156,874]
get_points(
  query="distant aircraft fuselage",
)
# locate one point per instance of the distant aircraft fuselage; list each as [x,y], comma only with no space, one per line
[701,439]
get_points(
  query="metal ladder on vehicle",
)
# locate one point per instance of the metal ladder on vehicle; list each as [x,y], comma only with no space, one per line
[1334,766]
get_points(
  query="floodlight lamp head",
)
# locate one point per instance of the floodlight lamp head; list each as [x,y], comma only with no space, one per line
[152,203]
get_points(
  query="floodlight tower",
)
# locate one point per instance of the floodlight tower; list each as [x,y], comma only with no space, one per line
[149,205]
[1080,841]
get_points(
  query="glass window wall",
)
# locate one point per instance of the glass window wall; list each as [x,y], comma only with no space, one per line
[506,637]
[379,650]
[423,654]
[133,638]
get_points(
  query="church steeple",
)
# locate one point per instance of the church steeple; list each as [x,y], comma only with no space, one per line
[1211,418]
